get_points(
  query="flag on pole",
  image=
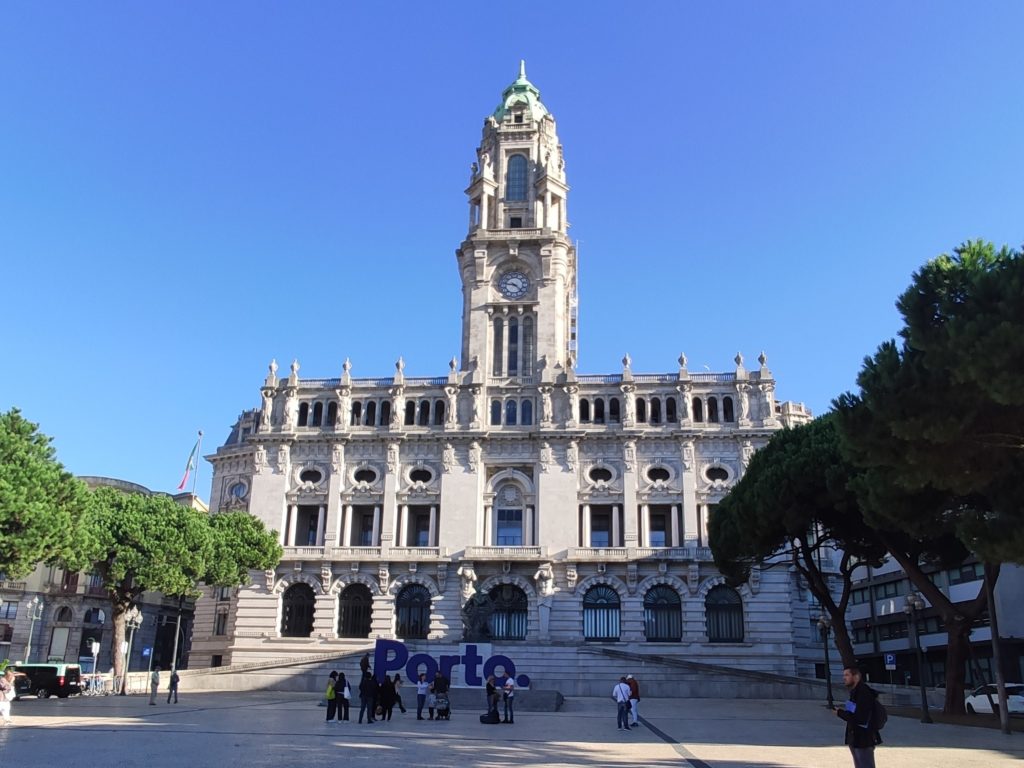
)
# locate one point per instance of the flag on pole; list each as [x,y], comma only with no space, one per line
[189,466]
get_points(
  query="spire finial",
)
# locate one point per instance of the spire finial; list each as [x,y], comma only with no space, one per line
[522,69]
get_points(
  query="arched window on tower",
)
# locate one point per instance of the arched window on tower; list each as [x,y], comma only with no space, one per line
[526,413]
[515,180]
[332,414]
[357,413]
[318,414]
[527,346]
[439,413]
[641,410]
[513,347]
[585,410]
[614,416]
[303,414]
[727,410]
[671,416]
[410,413]
[424,413]
[495,413]
[599,410]
[297,607]
[601,608]
[499,345]
[371,414]
[385,413]
[698,409]
[712,409]
[510,413]
[655,410]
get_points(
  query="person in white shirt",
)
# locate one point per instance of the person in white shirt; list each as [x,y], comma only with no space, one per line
[154,685]
[422,690]
[620,693]
[508,692]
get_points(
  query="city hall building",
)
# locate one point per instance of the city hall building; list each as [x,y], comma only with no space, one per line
[569,508]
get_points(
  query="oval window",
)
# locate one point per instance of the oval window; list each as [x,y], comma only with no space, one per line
[237,490]
[421,475]
[313,476]
[715,474]
[656,474]
[600,474]
[365,476]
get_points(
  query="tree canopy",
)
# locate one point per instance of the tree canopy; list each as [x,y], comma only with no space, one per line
[793,501]
[38,498]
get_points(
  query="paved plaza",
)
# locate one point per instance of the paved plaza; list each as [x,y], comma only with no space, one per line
[284,730]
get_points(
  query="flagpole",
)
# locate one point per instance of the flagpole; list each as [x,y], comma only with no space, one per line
[199,453]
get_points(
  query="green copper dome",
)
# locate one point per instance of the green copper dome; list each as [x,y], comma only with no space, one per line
[522,91]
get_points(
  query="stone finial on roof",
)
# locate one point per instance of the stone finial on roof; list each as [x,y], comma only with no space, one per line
[763,360]
[293,377]
[400,364]
[453,364]
[271,374]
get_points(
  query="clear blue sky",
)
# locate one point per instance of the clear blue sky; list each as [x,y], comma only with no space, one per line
[188,190]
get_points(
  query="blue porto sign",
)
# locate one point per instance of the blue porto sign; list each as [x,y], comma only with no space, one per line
[393,656]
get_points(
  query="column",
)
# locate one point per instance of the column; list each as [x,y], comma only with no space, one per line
[615,527]
[293,520]
[346,540]
[487,525]
[321,523]
[432,536]
[675,525]
[586,525]
[403,527]
[645,525]
[547,209]
[376,527]
[483,209]
[283,535]
[703,539]
[528,527]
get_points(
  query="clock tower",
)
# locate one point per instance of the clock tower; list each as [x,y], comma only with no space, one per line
[517,264]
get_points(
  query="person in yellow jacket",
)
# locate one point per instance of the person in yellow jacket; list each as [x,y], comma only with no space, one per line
[332,696]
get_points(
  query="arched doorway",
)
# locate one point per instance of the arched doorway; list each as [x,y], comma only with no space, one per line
[663,614]
[412,611]
[297,608]
[509,619]
[354,608]
[601,613]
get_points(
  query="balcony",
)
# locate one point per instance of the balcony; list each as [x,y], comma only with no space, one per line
[505,553]
[410,554]
[350,554]
[608,554]
[597,554]
[305,553]
[12,586]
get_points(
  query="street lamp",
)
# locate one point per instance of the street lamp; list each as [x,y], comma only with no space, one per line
[915,605]
[133,620]
[35,612]
[177,630]
[825,627]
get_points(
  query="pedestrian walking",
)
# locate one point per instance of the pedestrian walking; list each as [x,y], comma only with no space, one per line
[367,697]
[422,691]
[342,696]
[398,692]
[620,693]
[508,693]
[331,695]
[154,685]
[634,700]
[7,694]
[172,689]
[861,729]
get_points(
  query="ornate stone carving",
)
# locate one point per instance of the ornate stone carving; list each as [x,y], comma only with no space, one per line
[282,459]
[477,394]
[259,460]
[546,415]
[448,458]
[442,575]
[693,578]
[746,453]
[755,580]
[325,573]
[291,408]
[571,576]
[628,405]
[468,579]
[743,395]
[572,455]
[392,458]
[271,577]
[688,455]
[546,457]
[451,394]
[384,576]
[474,456]
[574,403]
[767,401]
[629,455]
[631,578]
[267,412]
[337,457]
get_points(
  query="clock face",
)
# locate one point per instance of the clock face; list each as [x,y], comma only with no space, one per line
[514,285]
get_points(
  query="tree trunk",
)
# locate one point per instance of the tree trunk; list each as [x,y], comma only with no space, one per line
[843,643]
[118,611]
[817,583]
[958,639]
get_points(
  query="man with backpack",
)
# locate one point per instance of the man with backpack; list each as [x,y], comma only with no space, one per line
[864,717]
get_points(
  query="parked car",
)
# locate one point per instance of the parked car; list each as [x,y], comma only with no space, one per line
[22,686]
[55,679]
[979,701]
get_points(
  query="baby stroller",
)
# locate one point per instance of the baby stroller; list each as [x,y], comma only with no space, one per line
[444,707]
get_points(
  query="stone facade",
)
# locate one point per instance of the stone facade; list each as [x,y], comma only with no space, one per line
[512,469]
